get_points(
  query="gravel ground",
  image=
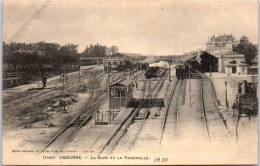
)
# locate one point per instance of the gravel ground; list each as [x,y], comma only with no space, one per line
[149,137]
[190,144]
[247,127]
[15,136]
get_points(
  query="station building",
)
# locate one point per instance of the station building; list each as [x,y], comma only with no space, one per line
[229,62]
[218,57]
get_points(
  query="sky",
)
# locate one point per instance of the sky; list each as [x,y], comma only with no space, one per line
[147,27]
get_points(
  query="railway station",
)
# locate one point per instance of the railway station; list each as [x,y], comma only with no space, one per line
[135,83]
[120,103]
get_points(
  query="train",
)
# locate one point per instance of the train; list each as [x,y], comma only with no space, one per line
[155,72]
[181,72]
[126,67]
[184,71]
[152,72]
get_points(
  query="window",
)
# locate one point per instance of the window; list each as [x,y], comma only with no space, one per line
[122,92]
[243,69]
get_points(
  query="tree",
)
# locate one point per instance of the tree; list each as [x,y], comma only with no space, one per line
[246,48]
[114,49]
[111,50]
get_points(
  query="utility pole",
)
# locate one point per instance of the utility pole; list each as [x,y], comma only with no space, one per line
[62,99]
[210,69]
[189,84]
[97,91]
[79,74]
[226,95]
[66,74]
[40,73]
[108,53]
[170,79]
[150,93]
[135,80]
[108,91]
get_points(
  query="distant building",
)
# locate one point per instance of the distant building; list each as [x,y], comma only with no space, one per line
[229,62]
[117,62]
[116,59]
[85,61]
[253,69]
[201,61]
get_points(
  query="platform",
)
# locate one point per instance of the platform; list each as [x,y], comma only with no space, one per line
[112,129]
[93,137]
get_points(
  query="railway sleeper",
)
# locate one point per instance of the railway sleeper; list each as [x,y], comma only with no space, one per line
[142,116]
[78,122]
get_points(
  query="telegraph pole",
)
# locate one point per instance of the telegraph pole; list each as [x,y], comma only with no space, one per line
[79,74]
[210,69]
[135,80]
[66,75]
[62,99]
[170,79]
[189,84]
[108,91]
[108,53]
[226,95]
[150,91]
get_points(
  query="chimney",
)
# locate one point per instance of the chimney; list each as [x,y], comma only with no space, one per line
[213,38]
[244,87]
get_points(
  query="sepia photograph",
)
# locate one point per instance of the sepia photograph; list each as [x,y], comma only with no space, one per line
[131,82]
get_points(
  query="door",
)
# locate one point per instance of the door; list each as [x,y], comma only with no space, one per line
[234,69]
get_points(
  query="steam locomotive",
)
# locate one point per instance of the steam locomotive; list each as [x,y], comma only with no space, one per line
[152,72]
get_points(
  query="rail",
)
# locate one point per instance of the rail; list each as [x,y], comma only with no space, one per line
[131,118]
[90,107]
[214,103]
[148,110]
[167,110]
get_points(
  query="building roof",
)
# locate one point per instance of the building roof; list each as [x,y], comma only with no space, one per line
[229,54]
[234,63]
[223,38]
[118,55]
[253,67]
[90,58]
[191,55]
[125,82]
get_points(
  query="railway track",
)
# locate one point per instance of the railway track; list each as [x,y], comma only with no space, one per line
[89,105]
[213,126]
[87,112]
[31,99]
[112,143]
[151,102]
[165,119]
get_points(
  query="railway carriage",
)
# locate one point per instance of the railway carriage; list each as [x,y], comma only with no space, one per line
[181,72]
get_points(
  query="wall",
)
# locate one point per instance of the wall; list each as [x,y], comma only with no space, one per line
[224,61]
[240,70]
